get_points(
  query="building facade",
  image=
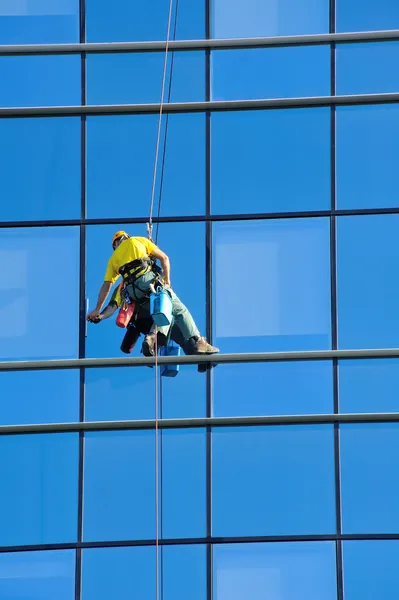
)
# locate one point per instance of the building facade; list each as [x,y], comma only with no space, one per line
[275,193]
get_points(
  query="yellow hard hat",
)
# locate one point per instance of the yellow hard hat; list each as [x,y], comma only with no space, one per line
[117,235]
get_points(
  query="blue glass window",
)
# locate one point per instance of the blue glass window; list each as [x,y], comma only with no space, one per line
[55,398]
[370,569]
[271,161]
[369,385]
[273,389]
[357,15]
[271,285]
[369,487]
[39,502]
[105,338]
[40,169]
[286,72]
[273,481]
[120,165]
[130,572]
[359,68]
[250,18]
[368,258]
[40,80]
[367,141]
[107,81]
[119,501]
[127,21]
[43,575]
[39,22]
[39,268]
[290,571]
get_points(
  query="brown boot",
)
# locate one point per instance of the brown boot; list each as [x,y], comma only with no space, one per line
[202,347]
[148,346]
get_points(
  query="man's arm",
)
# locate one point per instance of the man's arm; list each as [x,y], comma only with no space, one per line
[164,259]
[102,296]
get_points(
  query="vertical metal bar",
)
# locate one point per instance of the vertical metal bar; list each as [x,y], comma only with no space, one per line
[82,300]
[334,302]
[209,296]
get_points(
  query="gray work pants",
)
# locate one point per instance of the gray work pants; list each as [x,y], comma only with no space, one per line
[181,315]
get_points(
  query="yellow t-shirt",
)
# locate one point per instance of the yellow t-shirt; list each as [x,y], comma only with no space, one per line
[126,252]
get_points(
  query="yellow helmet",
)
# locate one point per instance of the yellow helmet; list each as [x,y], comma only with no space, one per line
[118,235]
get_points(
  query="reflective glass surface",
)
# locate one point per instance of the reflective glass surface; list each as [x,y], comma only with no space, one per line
[271,285]
[273,481]
[43,575]
[39,500]
[39,21]
[369,385]
[370,569]
[369,488]
[40,80]
[368,255]
[270,161]
[286,72]
[273,389]
[120,166]
[289,571]
[127,21]
[39,267]
[357,15]
[367,140]
[251,18]
[119,498]
[40,170]
[107,82]
[130,572]
[359,68]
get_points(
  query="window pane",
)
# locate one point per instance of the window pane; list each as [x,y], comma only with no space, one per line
[27,326]
[107,82]
[368,298]
[370,489]
[119,498]
[55,398]
[359,68]
[235,74]
[39,21]
[289,571]
[273,389]
[120,165]
[370,569]
[104,339]
[292,173]
[40,80]
[250,18]
[130,572]
[369,385]
[274,481]
[143,21]
[288,297]
[43,575]
[47,153]
[114,394]
[39,475]
[357,15]
[367,141]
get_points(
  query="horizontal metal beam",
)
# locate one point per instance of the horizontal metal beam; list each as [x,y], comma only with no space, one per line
[192,45]
[199,423]
[217,540]
[100,110]
[240,357]
[304,214]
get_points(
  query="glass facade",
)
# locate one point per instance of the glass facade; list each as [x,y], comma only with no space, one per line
[280,221]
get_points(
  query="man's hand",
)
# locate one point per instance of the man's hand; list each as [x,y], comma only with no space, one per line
[94,316]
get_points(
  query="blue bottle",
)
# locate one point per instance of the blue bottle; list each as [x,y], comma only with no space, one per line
[171,349]
[161,307]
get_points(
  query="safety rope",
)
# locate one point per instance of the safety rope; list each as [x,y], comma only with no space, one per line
[149,232]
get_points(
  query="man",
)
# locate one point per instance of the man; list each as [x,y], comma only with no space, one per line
[133,259]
